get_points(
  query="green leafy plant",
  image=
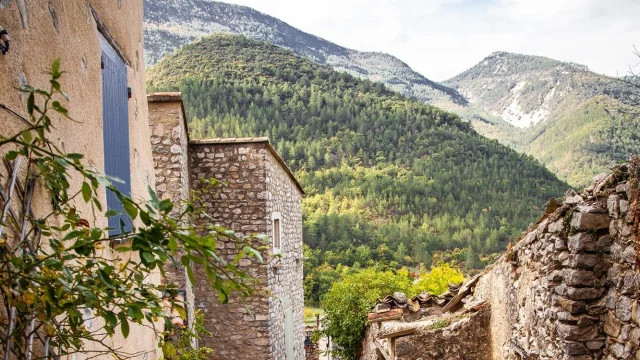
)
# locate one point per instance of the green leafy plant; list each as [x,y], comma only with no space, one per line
[439,324]
[60,270]
[437,281]
[348,301]
[180,347]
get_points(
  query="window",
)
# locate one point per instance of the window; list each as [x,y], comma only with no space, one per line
[115,130]
[277,231]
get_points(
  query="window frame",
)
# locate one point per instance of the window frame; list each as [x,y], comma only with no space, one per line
[276,218]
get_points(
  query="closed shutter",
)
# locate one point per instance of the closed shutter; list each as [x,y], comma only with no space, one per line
[288,333]
[115,130]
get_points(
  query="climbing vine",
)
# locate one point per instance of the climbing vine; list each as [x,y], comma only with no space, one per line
[60,272]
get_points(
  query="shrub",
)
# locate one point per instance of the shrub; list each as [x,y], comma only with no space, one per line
[348,301]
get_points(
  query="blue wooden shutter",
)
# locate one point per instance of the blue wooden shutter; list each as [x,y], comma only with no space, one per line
[115,130]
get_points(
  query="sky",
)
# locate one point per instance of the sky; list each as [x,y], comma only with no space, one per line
[441,38]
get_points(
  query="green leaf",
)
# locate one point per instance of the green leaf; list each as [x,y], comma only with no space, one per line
[147,257]
[55,85]
[192,277]
[86,192]
[59,108]
[75,156]
[146,219]
[55,244]
[55,68]
[130,208]
[253,253]
[153,195]
[173,246]
[184,260]
[27,137]
[124,324]
[11,155]
[165,205]
[73,234]
[62,162]
[97,204]
[103,180]
[111,213]
[222,296]
[96,234]
[30,103]
[104,277]
[110,318]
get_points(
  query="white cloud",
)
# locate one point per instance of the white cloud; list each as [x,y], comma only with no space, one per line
[441,38]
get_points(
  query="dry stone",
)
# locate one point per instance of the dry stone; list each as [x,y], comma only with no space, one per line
[574,277]
[582,241]
[585,221]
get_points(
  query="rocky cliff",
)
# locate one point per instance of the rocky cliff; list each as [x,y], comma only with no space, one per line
[575,121]
[567,289]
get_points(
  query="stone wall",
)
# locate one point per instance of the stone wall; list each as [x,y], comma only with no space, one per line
[464,339]
[285,196]
[254,185]
[169,142]
[568,289]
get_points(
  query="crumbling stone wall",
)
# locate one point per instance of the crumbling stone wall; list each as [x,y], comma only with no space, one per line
[568,288]
[285,197]
[465,339]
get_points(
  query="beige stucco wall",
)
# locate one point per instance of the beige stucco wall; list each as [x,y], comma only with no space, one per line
[75,41]
[42,31]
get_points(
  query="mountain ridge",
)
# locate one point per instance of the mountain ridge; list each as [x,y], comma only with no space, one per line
[568,117]
[170,24]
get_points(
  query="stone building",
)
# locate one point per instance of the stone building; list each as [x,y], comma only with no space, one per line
[568,289]
[100,46]
[259,195]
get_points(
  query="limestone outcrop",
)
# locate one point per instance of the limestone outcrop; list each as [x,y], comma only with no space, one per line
[567,289]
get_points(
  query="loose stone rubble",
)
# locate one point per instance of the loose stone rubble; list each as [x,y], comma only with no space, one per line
[567,289]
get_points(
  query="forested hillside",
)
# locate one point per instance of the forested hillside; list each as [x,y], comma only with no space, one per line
[387,178]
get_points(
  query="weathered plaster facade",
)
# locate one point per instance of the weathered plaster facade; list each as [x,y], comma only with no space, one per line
[42,31]
[257,188]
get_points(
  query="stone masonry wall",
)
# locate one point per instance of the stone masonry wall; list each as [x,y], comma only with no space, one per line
[284,196]
[465,339]
[240,328]
[169,141]
[568,288]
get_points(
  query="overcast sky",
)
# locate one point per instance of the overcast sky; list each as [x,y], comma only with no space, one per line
[441,38]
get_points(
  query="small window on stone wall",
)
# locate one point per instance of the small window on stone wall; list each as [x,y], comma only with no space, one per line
[277,231]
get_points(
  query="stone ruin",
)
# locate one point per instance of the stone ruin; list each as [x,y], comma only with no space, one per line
[567,289]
